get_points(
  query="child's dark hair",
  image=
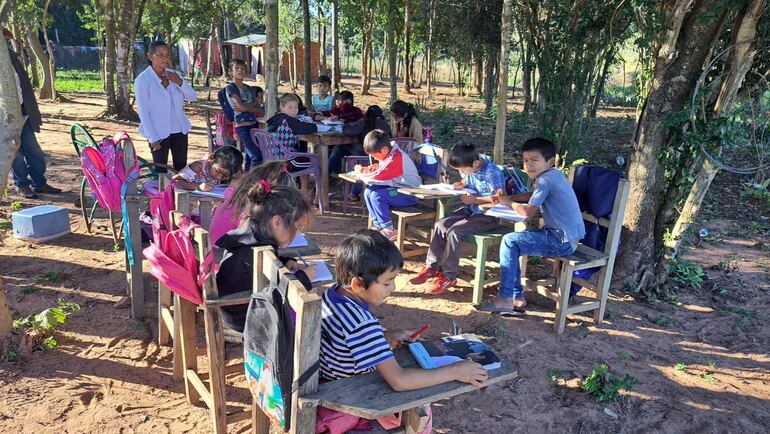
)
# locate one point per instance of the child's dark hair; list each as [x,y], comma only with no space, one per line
[228,157]
[274,172]
[544,146]
[367,254]
[375,141]
[404,110]
[257,90]
[324,79]
[373,113]
[238,62]
[267,201]
[463,155]
[346,95]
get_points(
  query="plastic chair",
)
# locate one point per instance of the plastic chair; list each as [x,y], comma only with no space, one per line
[273,150]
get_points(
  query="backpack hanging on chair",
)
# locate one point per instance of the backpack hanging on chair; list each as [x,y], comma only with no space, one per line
[104,170]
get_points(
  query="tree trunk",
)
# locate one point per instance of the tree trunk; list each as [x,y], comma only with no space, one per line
[51,56]
[490,78]
[407,47]
[602,81]
[308,76]
[502,89]
[431,15]
[335,48]
[122,53]
[322,42]
[739,63]
[46,90]
[392,51]
[109,59]
[220,46]
[526,71]
[210,54]
[678,64]
[272,59]
[131,45]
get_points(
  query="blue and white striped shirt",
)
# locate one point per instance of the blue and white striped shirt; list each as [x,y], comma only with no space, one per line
[352,339]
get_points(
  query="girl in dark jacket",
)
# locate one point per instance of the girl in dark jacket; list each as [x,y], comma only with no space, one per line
[276,215]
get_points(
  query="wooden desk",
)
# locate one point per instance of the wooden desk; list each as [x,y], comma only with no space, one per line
[320,143]
[443,200]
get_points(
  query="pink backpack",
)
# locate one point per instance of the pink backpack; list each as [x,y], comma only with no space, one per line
[104,171]
[225,131]
[223,220]
[173,262]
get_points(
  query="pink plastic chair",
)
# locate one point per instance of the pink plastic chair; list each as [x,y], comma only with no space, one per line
[273,150]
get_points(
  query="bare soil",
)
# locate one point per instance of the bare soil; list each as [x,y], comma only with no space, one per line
[109,375]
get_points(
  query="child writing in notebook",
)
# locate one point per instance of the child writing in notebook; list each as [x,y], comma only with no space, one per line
[232,211]
[353,341]
[392,170]
[481,176]
[276,214]
[344,111]
[554,197]
[222,166]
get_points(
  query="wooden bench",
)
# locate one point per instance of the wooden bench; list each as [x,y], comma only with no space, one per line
[367,395]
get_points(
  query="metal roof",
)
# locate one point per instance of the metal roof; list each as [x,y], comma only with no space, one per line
[249,40]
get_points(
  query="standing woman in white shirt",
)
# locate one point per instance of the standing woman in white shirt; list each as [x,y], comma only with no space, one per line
[160,94]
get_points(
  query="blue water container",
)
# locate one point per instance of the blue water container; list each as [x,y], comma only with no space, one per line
[41,223]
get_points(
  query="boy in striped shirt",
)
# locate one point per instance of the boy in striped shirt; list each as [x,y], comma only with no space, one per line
[352,339]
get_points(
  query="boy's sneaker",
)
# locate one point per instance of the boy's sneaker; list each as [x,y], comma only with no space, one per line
[425,274]
[441,285]
[391,234]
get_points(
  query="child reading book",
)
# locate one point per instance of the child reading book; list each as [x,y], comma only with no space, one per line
[220,167]
[345,111]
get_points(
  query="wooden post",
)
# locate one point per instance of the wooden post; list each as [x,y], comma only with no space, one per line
[272,61]
[307,342]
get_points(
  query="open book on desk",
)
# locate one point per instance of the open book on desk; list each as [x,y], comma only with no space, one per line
[332,122]
[322,272]
[448,189]
[452,349]
[505,212]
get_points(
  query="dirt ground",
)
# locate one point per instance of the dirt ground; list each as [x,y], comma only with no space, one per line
[700,361]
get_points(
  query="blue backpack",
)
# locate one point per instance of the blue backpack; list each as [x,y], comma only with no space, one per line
[225,104]
[513,180]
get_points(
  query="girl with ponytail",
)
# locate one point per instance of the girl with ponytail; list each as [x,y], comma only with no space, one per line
[274,216]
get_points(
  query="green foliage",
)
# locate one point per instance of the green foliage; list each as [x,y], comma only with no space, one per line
[681,367]
[41,326]
[49,276]
[744,318]
[76,80]
[757,192]
[621,96]
[12,354]
[606,385]
[686,273]
[555,374]
[665,321]
[5,224]
[31,289]
[16,205]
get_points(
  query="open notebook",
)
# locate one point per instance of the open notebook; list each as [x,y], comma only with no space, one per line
[323,274]
[505,212]
[218,191]
[448,189]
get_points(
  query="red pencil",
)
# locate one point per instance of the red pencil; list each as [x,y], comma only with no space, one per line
[419,332]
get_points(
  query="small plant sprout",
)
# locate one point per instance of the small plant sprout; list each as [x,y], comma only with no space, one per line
[606,385]
[49,276]
[41,327]
[17,205]
[681,367]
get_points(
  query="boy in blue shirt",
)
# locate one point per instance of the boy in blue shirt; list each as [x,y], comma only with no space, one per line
[353,341]
[553,196]
[485,178]
[247,104]
[322,101]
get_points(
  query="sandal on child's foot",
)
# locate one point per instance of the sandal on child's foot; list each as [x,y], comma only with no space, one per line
[509,310]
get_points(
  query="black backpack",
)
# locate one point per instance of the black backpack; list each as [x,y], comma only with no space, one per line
[268,353]
[225,104]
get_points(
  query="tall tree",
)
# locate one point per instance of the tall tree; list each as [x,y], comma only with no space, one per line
[407,45]
[10,112]
[306,55]
[690,31]
[502,91]
[430,50]
[335,46]
[272,61]
[124,31]
[392,51]
[51,56]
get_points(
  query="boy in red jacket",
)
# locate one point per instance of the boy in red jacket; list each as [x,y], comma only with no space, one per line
[345,111]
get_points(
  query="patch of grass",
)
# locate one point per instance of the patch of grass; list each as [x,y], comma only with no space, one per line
[686,273]
[31,289]
[728,265]
[12,354]
[665,321]
[78,80]
[535,260]
[16,205]
[606,385]
[745,317]
[555,374]
[610,313]
[623,355]
[5,225]
[681,367]
[49,276]
[115,247]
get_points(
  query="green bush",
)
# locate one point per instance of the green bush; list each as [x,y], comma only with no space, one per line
[605,385]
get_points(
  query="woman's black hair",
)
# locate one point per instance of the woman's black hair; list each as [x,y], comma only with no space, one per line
[274,172]
[463,155]
[228,157]
[154,45]
[267,201]
[404,110]
[367,254]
